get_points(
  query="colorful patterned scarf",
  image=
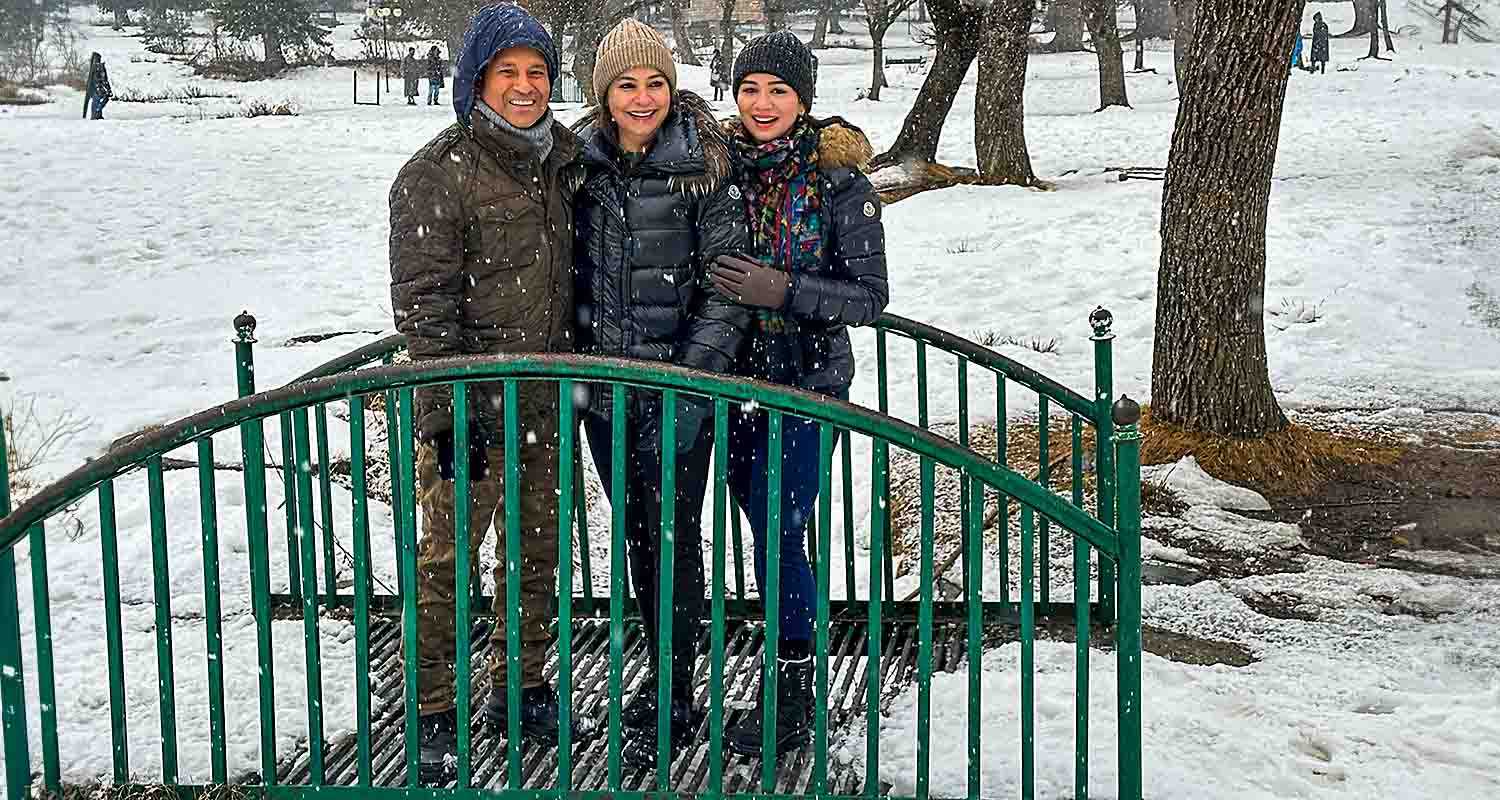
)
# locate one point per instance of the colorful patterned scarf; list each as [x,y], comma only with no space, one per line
[784,200]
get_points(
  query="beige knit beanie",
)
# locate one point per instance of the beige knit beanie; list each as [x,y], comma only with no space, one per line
[627,45]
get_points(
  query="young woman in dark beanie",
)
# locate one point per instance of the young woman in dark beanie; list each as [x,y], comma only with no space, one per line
[816,266]
[658,205]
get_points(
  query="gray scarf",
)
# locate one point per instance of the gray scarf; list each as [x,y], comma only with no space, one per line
[538,136]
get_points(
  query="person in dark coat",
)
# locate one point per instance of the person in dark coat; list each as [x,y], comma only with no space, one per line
[411,72]
[658,205]
[97,91]
[716,74]
[437,71]
[481,263]
[816,266]
[1319,44]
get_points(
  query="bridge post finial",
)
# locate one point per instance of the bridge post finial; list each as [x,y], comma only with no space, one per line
[1101,321]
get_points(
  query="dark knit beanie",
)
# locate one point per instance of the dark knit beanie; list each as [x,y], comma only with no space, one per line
[781,54]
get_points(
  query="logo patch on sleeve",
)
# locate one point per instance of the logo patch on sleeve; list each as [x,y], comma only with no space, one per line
[869,209]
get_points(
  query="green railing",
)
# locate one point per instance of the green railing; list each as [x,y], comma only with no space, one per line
[1111,533]
[927,345]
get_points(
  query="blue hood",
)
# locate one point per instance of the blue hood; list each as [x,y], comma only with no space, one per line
[495,28]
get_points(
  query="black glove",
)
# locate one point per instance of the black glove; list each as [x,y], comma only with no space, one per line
[479,461]
[750,283]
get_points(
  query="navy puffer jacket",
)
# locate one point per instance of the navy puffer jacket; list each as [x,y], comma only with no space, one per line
[645,234]
[849,288]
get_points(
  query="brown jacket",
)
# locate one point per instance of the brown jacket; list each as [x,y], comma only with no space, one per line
[481,254]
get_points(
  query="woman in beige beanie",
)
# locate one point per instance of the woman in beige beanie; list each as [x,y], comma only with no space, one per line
[657,207]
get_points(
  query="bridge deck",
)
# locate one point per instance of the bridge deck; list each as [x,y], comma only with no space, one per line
[690,771]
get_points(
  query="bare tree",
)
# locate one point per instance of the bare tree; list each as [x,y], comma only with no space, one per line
[1209,369]
[957,40]
[1154,19]
[1382,23]
[685,54]
[1182,40]
[775,11]
[879,16]
[1065,19]
[999,106]
[820,26]
[726,31]
[1365,19]
[1099,16]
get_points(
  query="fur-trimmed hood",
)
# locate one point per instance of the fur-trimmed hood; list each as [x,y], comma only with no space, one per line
[841,143]
[690,148]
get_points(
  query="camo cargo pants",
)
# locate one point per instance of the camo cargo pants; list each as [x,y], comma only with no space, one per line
[538,568]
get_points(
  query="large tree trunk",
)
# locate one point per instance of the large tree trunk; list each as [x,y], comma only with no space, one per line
[1365,14]
[1155,20]
[1182,44]
[685,54]
[275,58]
[1099,15]
[999,108]
[1065,18]
[1209,370]
[957,44]
[835,25]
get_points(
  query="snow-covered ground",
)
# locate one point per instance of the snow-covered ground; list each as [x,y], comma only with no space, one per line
[127,246]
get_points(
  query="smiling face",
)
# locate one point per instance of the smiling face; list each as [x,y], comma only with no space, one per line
[768,106]
[516,86]
[638,102]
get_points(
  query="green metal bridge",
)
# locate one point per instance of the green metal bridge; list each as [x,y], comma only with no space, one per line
[870,646]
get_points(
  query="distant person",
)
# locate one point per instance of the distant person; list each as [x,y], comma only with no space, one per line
[1319,44]
[716,74]
[97,91]
[436,73]
[411,73]
[1296,52]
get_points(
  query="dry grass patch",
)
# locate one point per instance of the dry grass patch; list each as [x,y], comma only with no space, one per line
[1293,461]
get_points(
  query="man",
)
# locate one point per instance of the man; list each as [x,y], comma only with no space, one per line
[410,72]
[97,91]
[481,254]
[436,72]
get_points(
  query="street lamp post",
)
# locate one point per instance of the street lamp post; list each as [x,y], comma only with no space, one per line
[384,11]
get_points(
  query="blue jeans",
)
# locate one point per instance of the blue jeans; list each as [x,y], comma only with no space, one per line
[799,493]
[433,87]
[98,102]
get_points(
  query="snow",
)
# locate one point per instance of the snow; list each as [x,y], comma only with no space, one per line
[127,246]
[1194,486]
[1392,689]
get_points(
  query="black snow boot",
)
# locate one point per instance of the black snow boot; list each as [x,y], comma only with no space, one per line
[794,711]
[639,749]
[538,715]
[437,747]
[640,710]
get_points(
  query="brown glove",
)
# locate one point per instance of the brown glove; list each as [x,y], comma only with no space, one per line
[750,283]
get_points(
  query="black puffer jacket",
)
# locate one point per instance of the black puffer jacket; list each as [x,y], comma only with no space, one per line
[645,234]
[850,288]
